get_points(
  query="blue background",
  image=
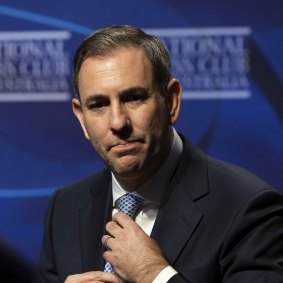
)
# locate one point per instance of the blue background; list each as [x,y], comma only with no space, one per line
[42,146]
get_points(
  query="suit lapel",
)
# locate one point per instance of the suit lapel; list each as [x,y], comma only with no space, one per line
[93,218]
[175,224]
[179,216]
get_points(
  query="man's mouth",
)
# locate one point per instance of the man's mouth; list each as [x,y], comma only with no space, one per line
[122,146]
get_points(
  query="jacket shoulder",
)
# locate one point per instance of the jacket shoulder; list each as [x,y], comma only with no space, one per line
[237,179]
[83,191]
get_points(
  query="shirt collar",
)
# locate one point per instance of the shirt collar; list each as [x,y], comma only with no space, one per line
[152,190]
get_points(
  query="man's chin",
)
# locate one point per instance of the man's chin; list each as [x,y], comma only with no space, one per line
[126,167]
[125,171]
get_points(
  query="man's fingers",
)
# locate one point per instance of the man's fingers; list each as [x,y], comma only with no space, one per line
[93,276]
[119,221]
[112,226]
[105,241]
[122,219]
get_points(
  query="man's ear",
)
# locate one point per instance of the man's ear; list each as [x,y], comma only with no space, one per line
[77,109]
[174,96]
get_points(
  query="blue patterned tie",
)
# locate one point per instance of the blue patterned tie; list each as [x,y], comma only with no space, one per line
[128,204]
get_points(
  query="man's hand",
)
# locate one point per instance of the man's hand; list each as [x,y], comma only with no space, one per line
[134,255]
[93,276]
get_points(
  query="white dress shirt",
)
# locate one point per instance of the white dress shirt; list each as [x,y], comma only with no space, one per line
[152,197]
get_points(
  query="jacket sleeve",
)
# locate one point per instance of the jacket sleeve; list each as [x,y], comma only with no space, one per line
[45,271]
[252,249]
[253,246]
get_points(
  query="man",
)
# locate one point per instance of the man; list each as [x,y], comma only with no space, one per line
[201,220]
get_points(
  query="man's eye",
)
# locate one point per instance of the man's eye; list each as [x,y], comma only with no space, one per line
[138,97]
[96,105]
[135,98]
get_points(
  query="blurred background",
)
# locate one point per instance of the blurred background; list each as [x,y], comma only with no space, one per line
[227,54]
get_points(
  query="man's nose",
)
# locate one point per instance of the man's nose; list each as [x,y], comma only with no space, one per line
[118,118]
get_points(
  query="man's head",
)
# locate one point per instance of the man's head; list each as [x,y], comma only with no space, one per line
[107,40]
[122,109]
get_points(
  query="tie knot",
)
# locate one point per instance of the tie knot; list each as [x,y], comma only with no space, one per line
[129,204]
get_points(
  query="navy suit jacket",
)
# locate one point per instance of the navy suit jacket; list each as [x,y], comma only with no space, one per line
[216,223]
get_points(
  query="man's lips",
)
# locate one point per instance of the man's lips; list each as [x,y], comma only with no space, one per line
[124,145]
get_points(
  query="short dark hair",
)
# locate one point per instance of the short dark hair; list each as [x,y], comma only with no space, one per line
[104,41]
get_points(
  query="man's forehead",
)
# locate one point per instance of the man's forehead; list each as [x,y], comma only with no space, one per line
[121,69]
[123,59]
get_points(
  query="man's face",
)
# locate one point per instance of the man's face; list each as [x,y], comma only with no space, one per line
[122,113]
